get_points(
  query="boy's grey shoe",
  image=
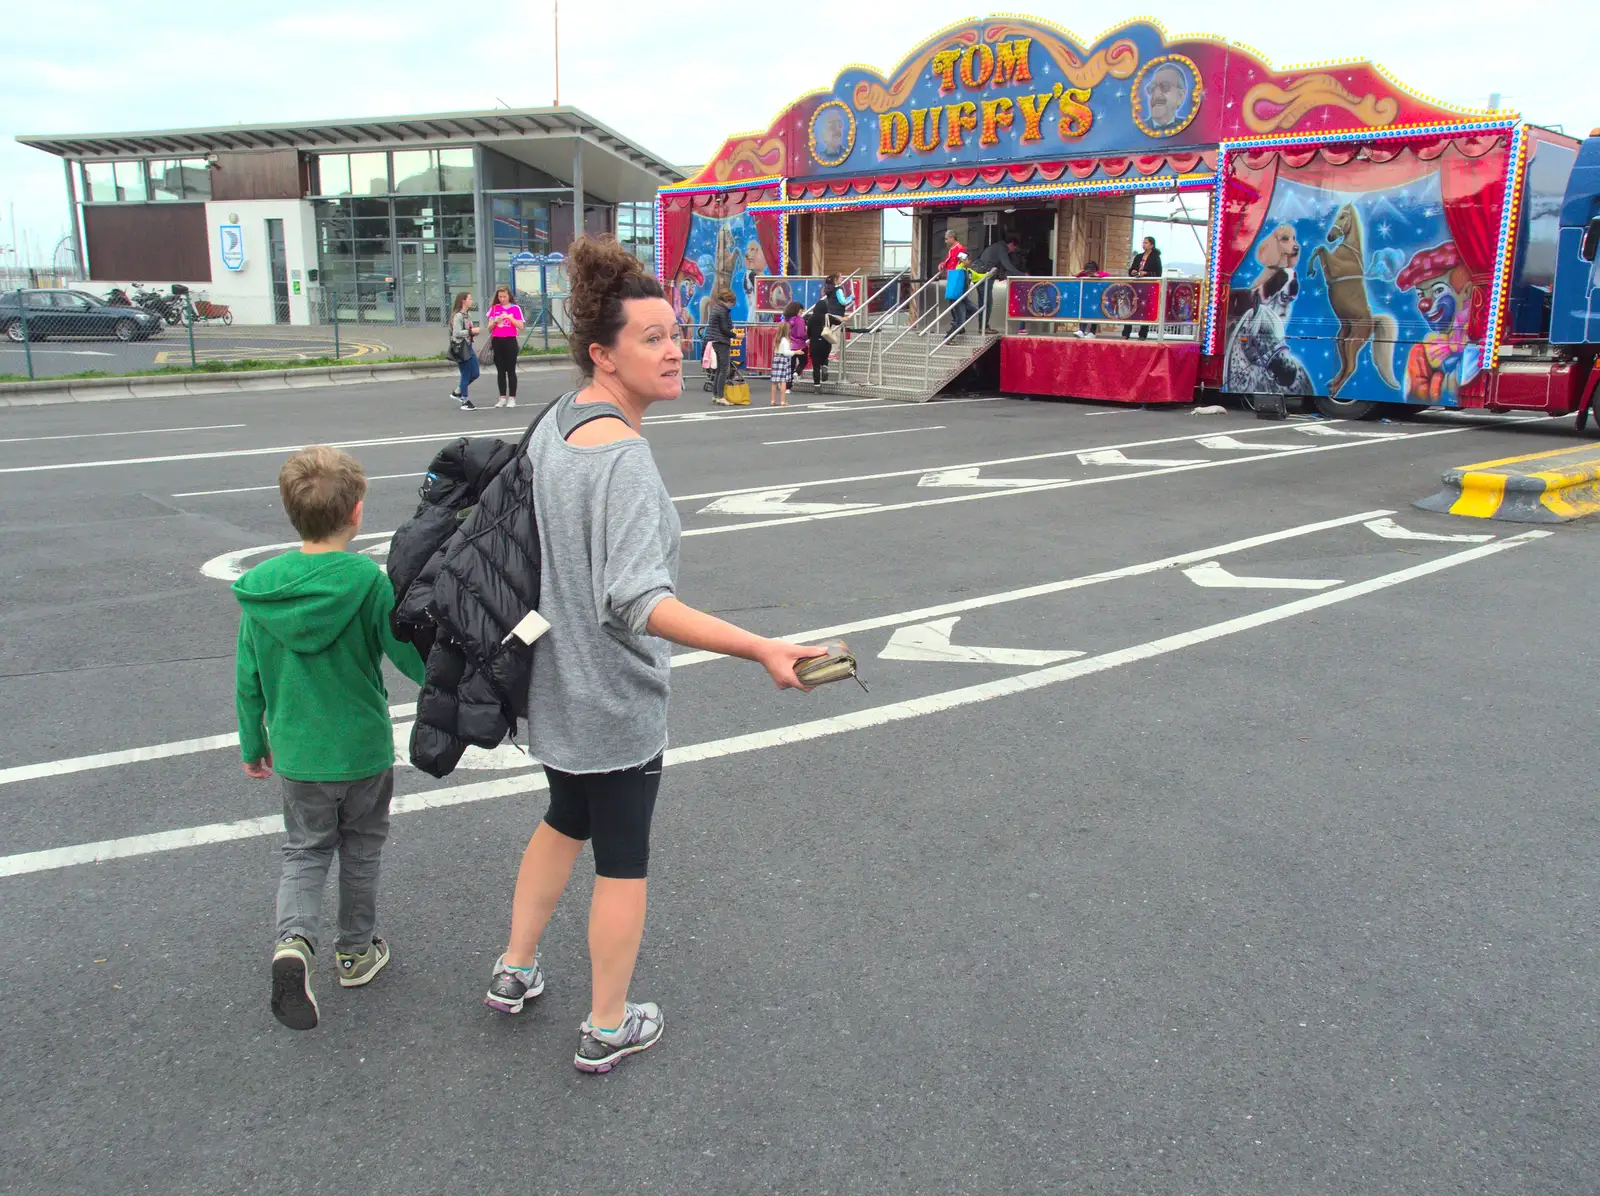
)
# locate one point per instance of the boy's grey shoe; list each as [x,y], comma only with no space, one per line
[510,987]
[293,1002]
[601,1050]
[356,970]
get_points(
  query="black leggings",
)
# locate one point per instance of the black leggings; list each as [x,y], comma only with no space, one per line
[821,350]
[505,364]
[613,808]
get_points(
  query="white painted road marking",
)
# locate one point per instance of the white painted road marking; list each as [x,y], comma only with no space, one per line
[931,641]
[852,436]
[1213,576]
[968,477]
[1236,445]
[979,602]
[1325,430]
[775,502]
[135,432]
[382,477]
[1390,530]
[876,716]
[1115,457]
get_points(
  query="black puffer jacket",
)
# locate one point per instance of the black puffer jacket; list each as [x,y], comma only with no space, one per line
[479,585]
[456,480]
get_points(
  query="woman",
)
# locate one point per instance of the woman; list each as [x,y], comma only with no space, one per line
[597,701]
[828,313]
[462,330]
[719,331]
[1146,265]
[505,324]
[791,336]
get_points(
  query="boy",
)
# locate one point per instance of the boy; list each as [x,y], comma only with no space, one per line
[311,701]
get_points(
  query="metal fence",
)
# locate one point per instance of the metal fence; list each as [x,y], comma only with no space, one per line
[48,332]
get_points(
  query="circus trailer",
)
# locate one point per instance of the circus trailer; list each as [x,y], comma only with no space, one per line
[1329,235]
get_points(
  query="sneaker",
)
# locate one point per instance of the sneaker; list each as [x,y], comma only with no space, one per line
[455,395]
[511,402]
[466,405]
[293,1002]
[356,970]
[501,402]
[509,987]
[601,1050]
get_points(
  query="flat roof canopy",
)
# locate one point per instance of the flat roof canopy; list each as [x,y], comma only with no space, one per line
[615,169]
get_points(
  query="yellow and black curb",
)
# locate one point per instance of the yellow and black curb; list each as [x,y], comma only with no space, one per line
[1552,487]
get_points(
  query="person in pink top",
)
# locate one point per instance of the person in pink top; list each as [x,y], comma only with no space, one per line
[505,325]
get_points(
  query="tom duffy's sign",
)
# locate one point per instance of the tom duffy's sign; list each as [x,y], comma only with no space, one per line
[977,72]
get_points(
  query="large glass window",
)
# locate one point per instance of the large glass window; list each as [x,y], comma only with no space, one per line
[130,182]
[416,172]
[166,180]
[196,178]
[99,182]
[636,229]
[369,174]
[333,174]
[375,271]
[455,170]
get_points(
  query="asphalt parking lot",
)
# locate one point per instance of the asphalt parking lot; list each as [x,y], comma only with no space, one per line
[1217,822]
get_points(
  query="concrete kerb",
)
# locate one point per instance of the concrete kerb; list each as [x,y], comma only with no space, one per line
[166,386]
[1516,490]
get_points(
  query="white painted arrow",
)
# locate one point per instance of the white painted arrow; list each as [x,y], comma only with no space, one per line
[1324,430]
[931,641]
[1115,457]
[1229,442]
[969,477]
[776,502]
[1390,530]
[1213,576]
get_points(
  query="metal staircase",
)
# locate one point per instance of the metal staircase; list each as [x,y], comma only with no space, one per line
[906,353]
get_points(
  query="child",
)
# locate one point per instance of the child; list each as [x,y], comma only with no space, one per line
[791,335]
[311,701]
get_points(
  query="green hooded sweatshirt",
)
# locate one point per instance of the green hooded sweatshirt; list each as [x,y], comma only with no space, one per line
[312,638]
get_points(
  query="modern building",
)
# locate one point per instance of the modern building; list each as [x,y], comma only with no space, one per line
[379,220]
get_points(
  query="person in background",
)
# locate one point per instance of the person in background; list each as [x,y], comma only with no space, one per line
[827,314]
[955,258]
[1146,264]
[997,263]
[791,337]
[462,332]
[1090,270]
[719,331]
[608,535]
[505,324]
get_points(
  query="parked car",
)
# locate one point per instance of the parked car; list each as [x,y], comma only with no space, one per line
[73,313]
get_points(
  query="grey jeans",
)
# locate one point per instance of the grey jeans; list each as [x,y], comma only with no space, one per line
[322,817]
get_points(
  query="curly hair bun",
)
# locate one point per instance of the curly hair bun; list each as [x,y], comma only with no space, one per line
[601,276]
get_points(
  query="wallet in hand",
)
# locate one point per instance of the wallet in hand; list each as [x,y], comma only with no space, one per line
[835,665]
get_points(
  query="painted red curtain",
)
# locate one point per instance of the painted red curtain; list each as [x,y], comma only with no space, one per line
[1247,194]
[675,223]
[769,231]
[1474,190]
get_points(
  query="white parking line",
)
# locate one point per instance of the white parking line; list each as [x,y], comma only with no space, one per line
[852,436]
[875,716]
[135,432]
[382,477]
[51,768]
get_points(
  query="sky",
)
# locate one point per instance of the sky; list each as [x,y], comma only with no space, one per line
[673,78]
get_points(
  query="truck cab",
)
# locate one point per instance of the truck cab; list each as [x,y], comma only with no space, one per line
[1575,297]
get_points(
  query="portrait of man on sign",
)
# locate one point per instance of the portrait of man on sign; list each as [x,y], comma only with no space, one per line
[1166,96]
[832,133]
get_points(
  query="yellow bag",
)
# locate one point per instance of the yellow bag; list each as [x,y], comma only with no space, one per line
[737,394]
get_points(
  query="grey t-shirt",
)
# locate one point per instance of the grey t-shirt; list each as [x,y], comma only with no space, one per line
[608,541]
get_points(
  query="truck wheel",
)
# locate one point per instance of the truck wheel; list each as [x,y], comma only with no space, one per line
[1345,408]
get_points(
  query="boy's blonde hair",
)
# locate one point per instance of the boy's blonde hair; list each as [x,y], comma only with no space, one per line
[321,486]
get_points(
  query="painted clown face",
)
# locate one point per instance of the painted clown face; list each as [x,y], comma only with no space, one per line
[1439,299]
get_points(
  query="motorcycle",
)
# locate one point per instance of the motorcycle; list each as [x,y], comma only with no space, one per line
[168,307]
[117,297]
